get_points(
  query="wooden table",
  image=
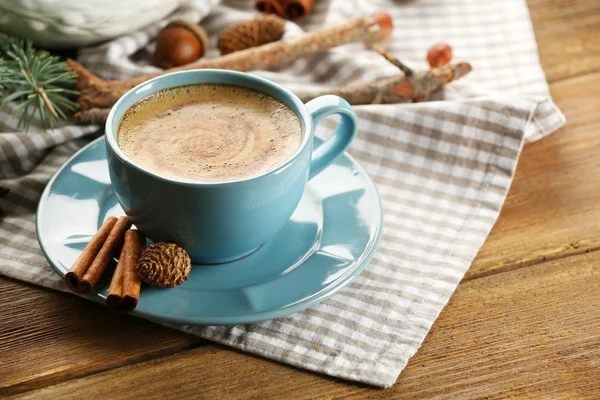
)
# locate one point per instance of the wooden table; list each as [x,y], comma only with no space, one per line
[524,322]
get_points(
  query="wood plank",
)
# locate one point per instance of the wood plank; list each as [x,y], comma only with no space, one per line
[48,337]
[530,332]
[552,207]
[547,216]
[567,36]
[525,333]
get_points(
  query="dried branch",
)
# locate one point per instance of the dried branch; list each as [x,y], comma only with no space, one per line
[100,93]
[91,116]
[403,67]
[417,87]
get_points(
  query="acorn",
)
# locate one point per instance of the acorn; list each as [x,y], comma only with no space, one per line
[180,42]
[164,265]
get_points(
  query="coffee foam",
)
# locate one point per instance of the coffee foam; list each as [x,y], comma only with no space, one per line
[209,133]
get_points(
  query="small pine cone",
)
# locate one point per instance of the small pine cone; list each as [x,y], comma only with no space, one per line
[259,31]
[164,265]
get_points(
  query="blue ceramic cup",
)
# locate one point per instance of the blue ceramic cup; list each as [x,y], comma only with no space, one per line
[220,222]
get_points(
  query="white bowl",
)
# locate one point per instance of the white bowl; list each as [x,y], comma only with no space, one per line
[77,23]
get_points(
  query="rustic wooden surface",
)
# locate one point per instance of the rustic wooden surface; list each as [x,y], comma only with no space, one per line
[525,321]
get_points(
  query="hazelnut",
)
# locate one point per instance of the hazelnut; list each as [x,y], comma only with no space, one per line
[179,43]
[439,55]
[385,23]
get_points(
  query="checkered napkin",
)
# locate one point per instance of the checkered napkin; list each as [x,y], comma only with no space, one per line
[442,169]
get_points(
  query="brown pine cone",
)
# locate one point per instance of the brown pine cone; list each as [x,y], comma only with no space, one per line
[164,265]
[259,31]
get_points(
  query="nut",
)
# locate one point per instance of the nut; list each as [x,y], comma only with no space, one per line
[439,55]
[179,43]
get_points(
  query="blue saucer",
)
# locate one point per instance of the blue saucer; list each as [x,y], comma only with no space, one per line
[329,240]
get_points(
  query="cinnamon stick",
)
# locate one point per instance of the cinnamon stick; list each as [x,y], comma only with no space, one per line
[87,256]
[295,9]
[377,27]
[124,291]
[3,192]
[269,7]
[113,243]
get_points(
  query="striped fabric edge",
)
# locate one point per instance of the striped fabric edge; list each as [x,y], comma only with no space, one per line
[497,183]
[546,119]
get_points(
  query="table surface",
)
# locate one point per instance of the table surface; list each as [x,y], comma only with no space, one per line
[523,322]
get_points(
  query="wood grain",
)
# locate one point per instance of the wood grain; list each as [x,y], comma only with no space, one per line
[552,209]
[48,337]
[567,36]
[525,333]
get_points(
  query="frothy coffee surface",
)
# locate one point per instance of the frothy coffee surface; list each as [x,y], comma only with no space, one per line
[209,133]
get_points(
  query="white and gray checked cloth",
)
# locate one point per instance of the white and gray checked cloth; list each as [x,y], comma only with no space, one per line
[442,168]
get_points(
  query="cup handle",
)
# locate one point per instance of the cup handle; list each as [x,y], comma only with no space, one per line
[339,141]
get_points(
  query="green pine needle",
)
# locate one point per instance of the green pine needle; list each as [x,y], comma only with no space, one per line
[37,81]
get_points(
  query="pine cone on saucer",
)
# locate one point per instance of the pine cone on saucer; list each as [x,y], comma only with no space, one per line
[164,265]
[259,31]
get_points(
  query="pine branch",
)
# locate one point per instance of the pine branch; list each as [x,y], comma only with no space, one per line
[37,81]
